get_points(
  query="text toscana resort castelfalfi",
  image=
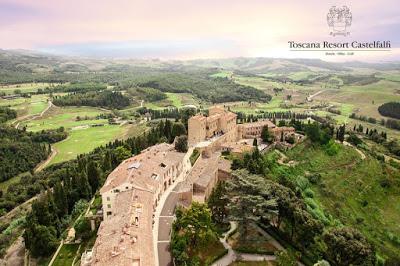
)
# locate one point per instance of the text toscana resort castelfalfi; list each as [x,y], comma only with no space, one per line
[340,45]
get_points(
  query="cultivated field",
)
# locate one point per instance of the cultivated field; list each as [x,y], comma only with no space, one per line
[24,88]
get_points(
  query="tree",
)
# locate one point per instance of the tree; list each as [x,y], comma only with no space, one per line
[353,139]
[85,190]
[121,153]
[106,165]
[255,142]
[217,203]
[347,246]
[181,143]
[168,130]
[244,190]
[265,136]
[192,231]
[40,240]
[82,228]
[93,175]
[60,199]
[341,133]
[178,129]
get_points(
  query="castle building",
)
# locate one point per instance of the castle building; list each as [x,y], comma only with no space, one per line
[129,197]
[133,190]
[219,122]
[253,130]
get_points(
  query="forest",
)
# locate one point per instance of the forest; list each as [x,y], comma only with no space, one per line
[106,99]
[21,151]
[147,94]
[75,87]
[391,109]
[7,114]
[215,90]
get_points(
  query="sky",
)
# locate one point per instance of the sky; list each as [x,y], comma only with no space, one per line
[187,29]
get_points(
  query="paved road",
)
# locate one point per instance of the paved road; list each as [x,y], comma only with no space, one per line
[164,229]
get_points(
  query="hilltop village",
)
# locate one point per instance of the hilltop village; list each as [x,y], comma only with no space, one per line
[135,191]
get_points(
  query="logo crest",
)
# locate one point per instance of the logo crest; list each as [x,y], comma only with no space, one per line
[339,20]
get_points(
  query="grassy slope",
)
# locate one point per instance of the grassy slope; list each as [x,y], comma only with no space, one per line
[174,99]
[349,182]
[27,106]
[66,255]
[24,88]
[366,98]
[65,117]
[84,140]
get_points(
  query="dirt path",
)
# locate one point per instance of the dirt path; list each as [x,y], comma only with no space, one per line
[43,164]
[15,254]
[309,98]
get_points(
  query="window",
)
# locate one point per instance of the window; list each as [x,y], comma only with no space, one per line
[109,206]
[126,187]
[109,213]
[108,198]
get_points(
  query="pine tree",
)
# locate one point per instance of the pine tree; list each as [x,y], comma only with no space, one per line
[84,187]
[106,165]
[246,190]
[255,142]
[168,130]
[93,176]
[60,200]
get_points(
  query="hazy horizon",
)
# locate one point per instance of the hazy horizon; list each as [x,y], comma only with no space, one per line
[180,29]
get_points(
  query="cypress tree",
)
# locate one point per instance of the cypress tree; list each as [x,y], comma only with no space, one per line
[93,176]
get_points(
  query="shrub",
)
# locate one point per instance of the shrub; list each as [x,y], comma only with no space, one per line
[332,148]
[314,178]
[302,183]
[308,193]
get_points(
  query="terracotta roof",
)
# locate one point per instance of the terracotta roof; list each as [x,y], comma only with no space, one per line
[126,238]
[204,169]
[280,129]
[198,117]
[230,115]
[140,169]
[259,123]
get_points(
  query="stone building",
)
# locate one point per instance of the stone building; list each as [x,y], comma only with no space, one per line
[129,197]
[219,122]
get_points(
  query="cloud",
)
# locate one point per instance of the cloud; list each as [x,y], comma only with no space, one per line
[182,28]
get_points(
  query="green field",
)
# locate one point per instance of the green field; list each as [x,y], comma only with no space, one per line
[85,140]
[83,137]
[24,88]
[366,98]
[390,76]
[27,106]
[351,191]
[177,100]
[66,255]
[222,74]
[66,117]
